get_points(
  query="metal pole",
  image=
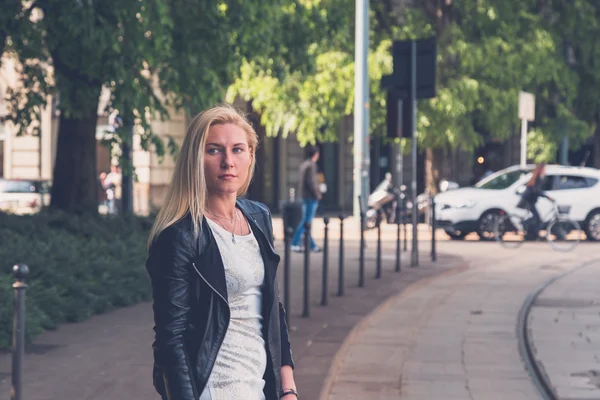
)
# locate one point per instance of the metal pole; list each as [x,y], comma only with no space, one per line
[523,143]
[325,275]
[400,171]
[564,150]
[399,156]
[398,221]
[378,264]
[405,232]
[20,273]
[341,259]
[414,260]
[289,231]
[126,163]
[361,261]
[361,103]
[433,229]
[306,303]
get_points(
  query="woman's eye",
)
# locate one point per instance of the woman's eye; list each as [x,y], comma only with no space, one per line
[213,151]
[238,150]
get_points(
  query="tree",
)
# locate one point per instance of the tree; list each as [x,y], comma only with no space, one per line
[577,23]
[150,54]
[489,51]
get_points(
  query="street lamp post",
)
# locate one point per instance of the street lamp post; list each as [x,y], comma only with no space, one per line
[361,105]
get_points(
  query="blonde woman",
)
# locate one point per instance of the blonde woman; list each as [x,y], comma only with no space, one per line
[220,330]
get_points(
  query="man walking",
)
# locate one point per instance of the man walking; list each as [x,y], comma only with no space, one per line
[308,188]
[112,184]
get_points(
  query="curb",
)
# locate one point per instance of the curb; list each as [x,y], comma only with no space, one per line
[536,371]
[365,321]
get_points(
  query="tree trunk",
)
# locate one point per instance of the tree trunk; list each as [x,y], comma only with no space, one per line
[438,166]
[74,186]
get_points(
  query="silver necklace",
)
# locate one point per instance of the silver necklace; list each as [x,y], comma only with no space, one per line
[233,221]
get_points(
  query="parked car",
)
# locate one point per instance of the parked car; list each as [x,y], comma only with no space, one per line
[23,196]
[475,209]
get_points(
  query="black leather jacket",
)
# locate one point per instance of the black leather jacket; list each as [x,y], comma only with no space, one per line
[191,313]
[534,192]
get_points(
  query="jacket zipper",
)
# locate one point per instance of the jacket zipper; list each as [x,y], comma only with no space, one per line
[226,302]
[211,286]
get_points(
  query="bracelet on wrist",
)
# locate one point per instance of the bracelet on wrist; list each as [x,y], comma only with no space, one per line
[285,392]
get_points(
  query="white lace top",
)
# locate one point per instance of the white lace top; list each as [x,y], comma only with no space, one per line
[242,359]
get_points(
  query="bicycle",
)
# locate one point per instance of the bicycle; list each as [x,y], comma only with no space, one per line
[562,233]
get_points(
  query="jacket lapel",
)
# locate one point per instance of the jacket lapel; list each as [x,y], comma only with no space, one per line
[260,227]
[209,263]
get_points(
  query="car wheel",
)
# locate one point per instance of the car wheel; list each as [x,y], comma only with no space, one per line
[592,226]
[456,235]
[487,224]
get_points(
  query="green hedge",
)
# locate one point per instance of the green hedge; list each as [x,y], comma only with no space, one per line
[79,266]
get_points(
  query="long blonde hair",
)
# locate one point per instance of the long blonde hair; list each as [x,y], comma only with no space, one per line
[187,192]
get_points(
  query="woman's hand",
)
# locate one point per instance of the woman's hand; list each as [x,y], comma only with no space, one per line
[289,397]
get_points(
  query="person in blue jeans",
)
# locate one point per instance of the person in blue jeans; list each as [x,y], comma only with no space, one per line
[308,188]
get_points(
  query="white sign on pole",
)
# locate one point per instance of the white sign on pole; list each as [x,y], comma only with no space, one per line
[526,106]
[526,113]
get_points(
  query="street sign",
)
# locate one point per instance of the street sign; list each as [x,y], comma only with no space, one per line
[526,106]
[398,84]
[526,113]
[399,81]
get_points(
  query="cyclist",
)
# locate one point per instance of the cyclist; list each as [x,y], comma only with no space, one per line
[533,191]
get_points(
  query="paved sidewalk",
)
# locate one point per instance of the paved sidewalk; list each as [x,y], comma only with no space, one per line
[564,328]
[453,338]
[108,357]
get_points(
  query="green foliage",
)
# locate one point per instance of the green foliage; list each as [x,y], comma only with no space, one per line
[577,23]
[150,54]
[540,149]
[488,54]
[488,51]
[294,59]
[20,39]
[289,105]
[78,267]
[311,95]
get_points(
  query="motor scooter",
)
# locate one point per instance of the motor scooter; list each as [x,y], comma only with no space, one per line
[385,197]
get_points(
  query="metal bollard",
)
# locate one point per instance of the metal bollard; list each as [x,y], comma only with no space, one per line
[378,265]
[398,222]
[20,272]
[341,259]
[404,229]
[433,229]
[306,304]
[286,271]
[361,261]
[325,275]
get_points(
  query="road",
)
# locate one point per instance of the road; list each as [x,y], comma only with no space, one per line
[455,337]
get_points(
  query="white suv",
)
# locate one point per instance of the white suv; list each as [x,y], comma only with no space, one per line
[474,209]
[23,196]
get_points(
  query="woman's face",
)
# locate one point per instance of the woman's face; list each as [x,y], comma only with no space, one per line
[227,159]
